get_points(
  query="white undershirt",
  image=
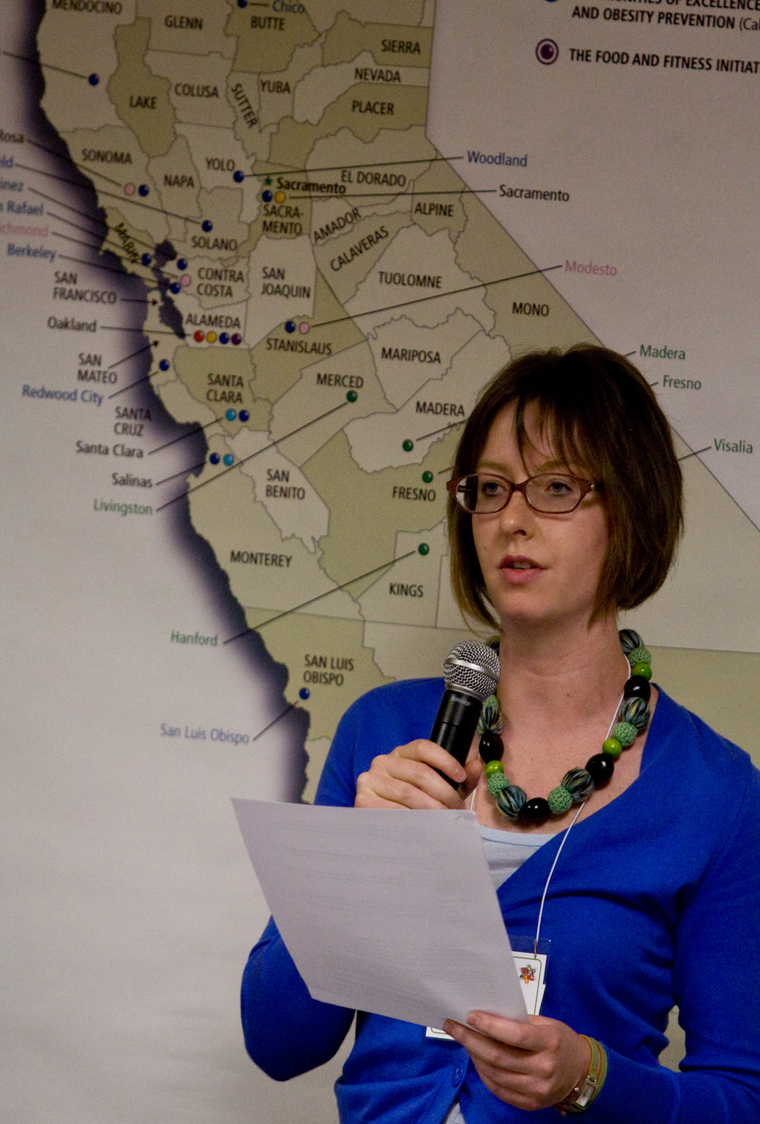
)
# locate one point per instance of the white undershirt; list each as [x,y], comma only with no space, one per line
[506,851]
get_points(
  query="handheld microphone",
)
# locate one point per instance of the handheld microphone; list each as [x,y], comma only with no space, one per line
[471,671]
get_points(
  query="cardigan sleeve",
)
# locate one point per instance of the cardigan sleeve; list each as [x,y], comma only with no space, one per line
[716,983]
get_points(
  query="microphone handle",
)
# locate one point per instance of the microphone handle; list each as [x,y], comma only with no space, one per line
[455,724]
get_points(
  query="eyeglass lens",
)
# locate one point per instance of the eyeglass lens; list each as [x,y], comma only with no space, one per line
[551,493]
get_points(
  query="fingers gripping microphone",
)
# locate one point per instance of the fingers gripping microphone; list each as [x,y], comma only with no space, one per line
[471,672]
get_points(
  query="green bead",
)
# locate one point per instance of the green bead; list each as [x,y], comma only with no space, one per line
[510,801]
[497,782]
[493,767]
[559,801]
[613,747]
[636,712]
[625,732]
[579,784]
[639,655]
[642,669]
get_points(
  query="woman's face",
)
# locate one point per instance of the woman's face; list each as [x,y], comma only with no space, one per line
[538,568]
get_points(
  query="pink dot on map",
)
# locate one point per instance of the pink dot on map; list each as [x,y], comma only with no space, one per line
[184,279]
[303,327]
[129,189]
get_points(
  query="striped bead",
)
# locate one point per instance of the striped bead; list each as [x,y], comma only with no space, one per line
[629,639]
[636,712]
[490,716]
[510,801]
[579,784]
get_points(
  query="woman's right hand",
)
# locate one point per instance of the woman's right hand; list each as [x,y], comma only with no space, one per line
[407,778]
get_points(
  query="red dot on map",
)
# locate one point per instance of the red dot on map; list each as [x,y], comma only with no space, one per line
[185,279]
[129,189]
[198,336]
[303,327]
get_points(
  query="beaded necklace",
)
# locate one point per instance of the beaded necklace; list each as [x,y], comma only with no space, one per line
[577,784]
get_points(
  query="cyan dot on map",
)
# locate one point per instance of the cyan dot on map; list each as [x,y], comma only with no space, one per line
[423,548]
[290,325]
[164,365]
[238,176]
[266,196]
[351,396]
[304,692]
[224,337]
[214,458]
[207,225]
[211,337]
[174,287]
[146,259]
[94,79]
[427,477]
[244,415]
[143,189]
[181,263]
[229,459]
[129,189]
[303,327]
[230,415]
[198,336]
[236,338]
[408,446]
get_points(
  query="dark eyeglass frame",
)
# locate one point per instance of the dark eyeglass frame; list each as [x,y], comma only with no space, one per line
[585,486]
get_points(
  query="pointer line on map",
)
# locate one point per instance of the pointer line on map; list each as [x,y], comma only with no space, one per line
[110,194]
[441,430]
[263,449]
[65,157]
[340,167]
[104,245]
[402,191]
[190,432]
[131,355]
[319,597]
[192,468]
[153,331]
[91,264]
[287,709]
[45,65]
[696,453]
[435,296]
[59,218]
[129,387]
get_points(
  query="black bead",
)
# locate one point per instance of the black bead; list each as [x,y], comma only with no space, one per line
[491,746]
[637,687]
[536,810]
[600,768]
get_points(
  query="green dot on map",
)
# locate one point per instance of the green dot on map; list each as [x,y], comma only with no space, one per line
[408,446]
[351,396]
[423,548]
[427,477]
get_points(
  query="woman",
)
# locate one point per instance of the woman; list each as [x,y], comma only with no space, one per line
[565,507]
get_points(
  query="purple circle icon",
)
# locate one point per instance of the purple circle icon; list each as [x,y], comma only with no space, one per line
[547,51]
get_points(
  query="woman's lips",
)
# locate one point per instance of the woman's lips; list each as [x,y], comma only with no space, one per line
[519,570]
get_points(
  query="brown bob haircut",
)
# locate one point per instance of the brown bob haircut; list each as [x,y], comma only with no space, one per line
[599,415]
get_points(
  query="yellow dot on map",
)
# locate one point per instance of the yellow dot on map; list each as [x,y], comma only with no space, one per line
[280,196]
[211,337]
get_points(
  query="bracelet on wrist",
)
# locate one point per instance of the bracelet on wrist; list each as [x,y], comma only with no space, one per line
[585,1092]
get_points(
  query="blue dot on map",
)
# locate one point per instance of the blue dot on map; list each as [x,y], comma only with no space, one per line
[181,263]
[238,176]
[214,458]
[207,225]
[164,365]
[224,337]
[244,415]
[94,79]
[143,189]
[230,415]
[146,259]
[174,287]
[228,458]
[304,693]
[290,325]
[266,196]
[242,3]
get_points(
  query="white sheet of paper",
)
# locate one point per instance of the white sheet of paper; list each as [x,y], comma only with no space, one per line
[392,912]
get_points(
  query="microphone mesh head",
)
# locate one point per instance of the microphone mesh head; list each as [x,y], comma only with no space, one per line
[472,667]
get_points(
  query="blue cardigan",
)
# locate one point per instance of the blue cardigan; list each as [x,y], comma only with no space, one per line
[655,900]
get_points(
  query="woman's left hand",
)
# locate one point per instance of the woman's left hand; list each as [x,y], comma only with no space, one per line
[529,1065]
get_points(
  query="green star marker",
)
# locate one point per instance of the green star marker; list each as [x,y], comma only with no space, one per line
[267,180]
[408,446]
[423,548]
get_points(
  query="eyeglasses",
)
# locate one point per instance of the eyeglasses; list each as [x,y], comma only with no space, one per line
[550,493]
